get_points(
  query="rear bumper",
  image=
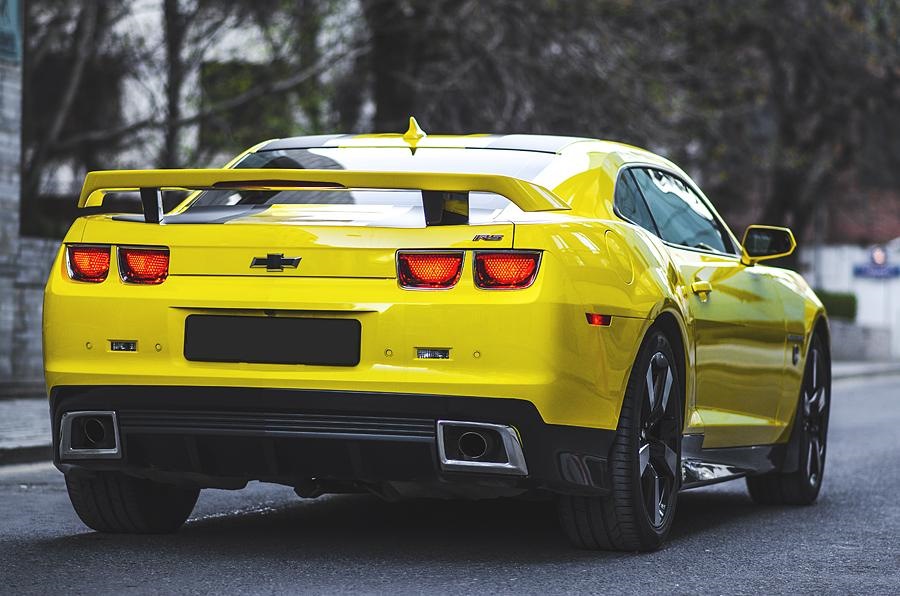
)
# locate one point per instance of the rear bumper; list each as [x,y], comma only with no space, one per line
[226,436]
[532,344]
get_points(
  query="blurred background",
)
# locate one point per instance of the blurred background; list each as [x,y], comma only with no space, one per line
[785,112]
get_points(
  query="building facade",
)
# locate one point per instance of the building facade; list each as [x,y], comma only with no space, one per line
[24,262]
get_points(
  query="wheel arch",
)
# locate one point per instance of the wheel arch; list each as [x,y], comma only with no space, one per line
[791,460]
[672,325]
[820,325]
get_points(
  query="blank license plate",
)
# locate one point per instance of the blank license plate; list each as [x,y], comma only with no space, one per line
[272,340]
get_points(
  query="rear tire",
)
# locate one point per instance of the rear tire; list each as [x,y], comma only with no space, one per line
[116,503]
[801,487]
[645,462]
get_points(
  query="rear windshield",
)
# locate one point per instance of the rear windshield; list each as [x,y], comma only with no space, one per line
[525,165]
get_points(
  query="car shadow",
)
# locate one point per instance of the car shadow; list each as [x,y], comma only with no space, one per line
[355,527]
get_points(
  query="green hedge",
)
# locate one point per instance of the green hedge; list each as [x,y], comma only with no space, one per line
[839,305]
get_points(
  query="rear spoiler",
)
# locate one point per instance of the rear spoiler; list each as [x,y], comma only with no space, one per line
[445,196]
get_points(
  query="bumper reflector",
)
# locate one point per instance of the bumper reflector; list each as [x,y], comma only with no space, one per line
[598,320]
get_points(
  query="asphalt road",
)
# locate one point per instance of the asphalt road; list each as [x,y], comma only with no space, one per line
[265,540]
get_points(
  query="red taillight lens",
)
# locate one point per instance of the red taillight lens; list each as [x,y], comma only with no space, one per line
[506,270]
[144,265]
[88,263]
[434,270]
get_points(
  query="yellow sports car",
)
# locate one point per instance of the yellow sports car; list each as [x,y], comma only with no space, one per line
[441,316]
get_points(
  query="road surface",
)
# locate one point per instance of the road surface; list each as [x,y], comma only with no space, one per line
[265,540]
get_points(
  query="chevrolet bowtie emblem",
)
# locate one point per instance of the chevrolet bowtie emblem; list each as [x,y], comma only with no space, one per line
[275,262]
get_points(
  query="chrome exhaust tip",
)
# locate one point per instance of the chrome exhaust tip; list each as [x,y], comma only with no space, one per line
[89,435]
[480,447]
[472,445]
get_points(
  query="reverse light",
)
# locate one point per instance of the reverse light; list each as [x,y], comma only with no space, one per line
[506,270]
[88,263]
[429,270]
[433,353]
[144,265]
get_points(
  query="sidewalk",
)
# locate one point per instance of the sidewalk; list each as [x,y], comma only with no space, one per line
[25,421]
[24,430]
[849,370]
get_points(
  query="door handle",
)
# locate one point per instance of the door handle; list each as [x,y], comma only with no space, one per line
[701,287]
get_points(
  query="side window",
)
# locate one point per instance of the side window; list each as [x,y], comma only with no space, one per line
[682,216]
[630,204]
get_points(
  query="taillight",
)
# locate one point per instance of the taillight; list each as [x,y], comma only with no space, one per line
[432,270]
[144,265]
[88,263]
[506,270]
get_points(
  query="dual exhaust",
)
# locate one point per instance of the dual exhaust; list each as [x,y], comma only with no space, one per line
[462,446]
[89,435]
[480,447]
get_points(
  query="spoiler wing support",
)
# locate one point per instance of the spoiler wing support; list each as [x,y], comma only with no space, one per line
[152,205]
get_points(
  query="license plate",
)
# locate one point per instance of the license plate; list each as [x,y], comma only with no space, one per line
[272,340]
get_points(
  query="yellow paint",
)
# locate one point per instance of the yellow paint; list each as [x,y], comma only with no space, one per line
[414,133]
[534,344]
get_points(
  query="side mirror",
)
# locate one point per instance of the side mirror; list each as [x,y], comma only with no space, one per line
[762,243]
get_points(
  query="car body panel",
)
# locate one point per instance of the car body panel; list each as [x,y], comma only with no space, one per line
[740,379]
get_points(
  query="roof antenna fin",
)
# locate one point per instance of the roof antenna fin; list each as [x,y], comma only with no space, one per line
[414,133]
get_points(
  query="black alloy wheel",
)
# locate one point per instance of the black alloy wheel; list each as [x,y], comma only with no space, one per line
[658,445]
[801,485]
[644,461]
[815,397]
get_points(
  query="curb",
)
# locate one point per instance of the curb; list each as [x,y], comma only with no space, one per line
[25,455]
[875,371]
[22,390]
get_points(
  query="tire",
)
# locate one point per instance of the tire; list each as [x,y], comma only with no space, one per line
[116,503]
[644,465]
[802,486]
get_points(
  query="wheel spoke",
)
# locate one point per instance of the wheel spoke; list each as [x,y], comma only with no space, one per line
[651,390]
[671,460]
[643,458]
[815,367]
[817,451]
[667,388]
[657,498]
[809,402]
[820,399]
[809,460]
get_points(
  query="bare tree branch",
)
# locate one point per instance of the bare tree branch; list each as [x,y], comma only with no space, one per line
[281,86]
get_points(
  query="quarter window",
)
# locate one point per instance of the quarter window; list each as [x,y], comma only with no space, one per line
[682,216]
[630,204]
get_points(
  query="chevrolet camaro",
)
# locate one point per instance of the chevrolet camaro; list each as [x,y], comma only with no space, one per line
[430,316]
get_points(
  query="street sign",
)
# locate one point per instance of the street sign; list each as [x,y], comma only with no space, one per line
[877,267]
[876,271]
